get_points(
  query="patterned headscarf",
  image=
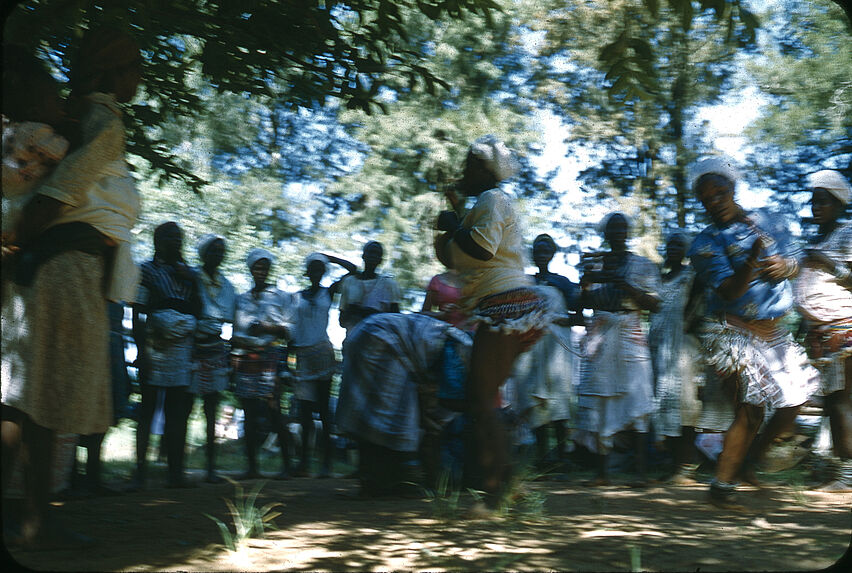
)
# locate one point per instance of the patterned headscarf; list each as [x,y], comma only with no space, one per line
[498,159]
[833,182]
[719,165]
[205,241]
[258,254]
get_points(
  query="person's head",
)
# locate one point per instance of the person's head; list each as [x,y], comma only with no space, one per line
[108,60]
[315,267]
[675,249]
[830,194]
[168,242]
[714,181]
[615,231]
[372,255]
[259,262]
[211,251]
[488,162]
[543,249]
[29,92]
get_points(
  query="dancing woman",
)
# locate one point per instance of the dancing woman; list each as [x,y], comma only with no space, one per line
[486,247]
[616,388]
[739,257]
[824,298]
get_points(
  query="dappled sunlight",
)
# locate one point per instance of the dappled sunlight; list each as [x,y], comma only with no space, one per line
[578,528]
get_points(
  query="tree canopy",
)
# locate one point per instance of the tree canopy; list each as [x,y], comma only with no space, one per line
[305,126]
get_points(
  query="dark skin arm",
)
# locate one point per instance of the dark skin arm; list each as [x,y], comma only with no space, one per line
[350,269]
[37,214]
[645,300]
[448,221]
[737,284]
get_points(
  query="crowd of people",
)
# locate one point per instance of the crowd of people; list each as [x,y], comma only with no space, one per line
[635,351]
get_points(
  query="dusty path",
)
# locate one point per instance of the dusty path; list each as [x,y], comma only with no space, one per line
[582,529]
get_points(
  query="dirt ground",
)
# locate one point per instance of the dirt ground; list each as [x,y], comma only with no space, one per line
[561,526]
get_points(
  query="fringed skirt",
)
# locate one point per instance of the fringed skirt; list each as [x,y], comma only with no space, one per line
[524,311]
[773,372]
[829,346]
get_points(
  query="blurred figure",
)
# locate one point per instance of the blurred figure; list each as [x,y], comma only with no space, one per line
[824,298]
[392,374]
[509,311]
[673,353]
[616,388]
[72,244]
[165,318]
[443,294]
[315,361]
[211,352]
[544,375]
[263,320]
[366,293]
[743,260]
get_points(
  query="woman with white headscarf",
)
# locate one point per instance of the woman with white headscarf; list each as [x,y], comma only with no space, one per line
[616,391]
[824,298]
[315,362]
[218,305]
[263,319]
[673,353]
[745,262]
[486,247]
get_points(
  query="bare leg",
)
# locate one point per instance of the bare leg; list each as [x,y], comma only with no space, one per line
[251,407]
[211,407]
[38,443]
[285,440]
[738,438]
[306,420]
[492,357]
[323,392]
[11,439]
[839,408]
[143,432]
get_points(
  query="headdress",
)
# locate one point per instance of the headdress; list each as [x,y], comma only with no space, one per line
[833,182]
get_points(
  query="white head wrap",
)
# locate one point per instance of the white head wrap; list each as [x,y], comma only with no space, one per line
[316,257]
[833,182]
[205,241]
[257,254]
[723,166]
[498,159]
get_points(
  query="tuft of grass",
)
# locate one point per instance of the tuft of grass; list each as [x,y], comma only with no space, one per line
[635,558]
[522,502]
[249,521]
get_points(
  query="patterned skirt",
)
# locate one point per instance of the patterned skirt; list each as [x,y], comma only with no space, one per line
[256,373]
[770,372]
[313,363]
[829,346]
[525,311]
[212,369]
[67,384]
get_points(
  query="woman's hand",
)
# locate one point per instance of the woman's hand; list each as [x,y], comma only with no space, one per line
[447,221]
[773,267]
